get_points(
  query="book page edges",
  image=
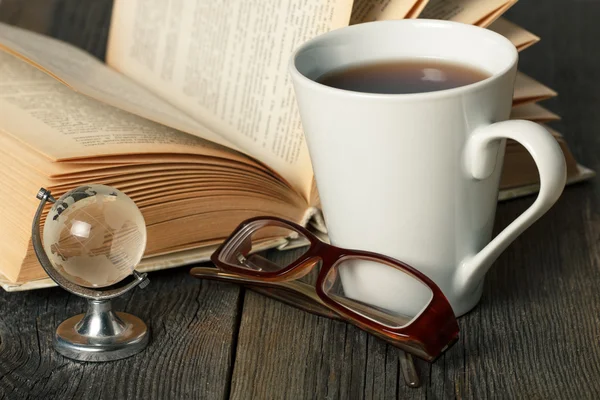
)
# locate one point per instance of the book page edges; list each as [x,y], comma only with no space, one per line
[179,259]
[583,174]
[313,218]
[417,9]
[519,36]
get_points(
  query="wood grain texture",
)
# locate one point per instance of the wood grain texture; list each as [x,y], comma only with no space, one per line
[535,335]
[192,323]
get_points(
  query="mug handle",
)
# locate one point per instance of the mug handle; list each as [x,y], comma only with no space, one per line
[480,161]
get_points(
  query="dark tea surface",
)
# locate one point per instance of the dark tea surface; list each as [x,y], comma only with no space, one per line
[403,76]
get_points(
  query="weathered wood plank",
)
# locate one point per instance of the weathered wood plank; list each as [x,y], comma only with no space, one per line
[536,333]
[193,327]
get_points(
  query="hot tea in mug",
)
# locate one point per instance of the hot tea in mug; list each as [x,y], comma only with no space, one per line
[403,76]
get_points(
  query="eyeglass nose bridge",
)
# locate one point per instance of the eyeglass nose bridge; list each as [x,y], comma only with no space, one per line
[317,253]
[314,255]
[304,268]
[328,255]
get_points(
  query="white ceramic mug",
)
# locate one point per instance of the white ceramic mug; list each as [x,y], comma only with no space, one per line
[416,176]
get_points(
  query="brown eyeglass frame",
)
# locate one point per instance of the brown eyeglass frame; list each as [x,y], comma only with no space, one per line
[427,336]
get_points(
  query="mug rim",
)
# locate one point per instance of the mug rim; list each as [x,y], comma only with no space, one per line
[501,40]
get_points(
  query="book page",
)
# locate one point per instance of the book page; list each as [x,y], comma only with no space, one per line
[226,64]
[87,75]
[528,90]
[533,112]
[377,10]
[61,124]
[520,37]
[475,12]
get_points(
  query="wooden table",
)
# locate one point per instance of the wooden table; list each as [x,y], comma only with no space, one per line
[535,335]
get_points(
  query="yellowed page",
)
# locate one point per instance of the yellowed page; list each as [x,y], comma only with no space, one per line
[528,90]
[62,124]
[88,75]
[520,37]
[533,112]
[474,12]
[376,10]
[225,64]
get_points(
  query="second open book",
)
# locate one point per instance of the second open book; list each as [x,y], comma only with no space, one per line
[193,116]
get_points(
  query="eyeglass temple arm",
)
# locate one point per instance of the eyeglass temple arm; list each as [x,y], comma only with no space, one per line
[307,301]
[298,294]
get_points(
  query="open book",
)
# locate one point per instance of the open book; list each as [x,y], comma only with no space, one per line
[194,117]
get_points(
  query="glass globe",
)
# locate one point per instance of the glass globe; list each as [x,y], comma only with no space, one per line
[94,236]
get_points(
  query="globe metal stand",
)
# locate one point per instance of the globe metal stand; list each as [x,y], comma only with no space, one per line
[100,334]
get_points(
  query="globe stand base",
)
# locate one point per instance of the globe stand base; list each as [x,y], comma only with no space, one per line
[101,334]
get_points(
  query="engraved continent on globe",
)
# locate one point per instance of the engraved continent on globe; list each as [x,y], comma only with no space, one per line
[94,235]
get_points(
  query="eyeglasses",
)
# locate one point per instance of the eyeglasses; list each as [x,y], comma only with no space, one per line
[379,294]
